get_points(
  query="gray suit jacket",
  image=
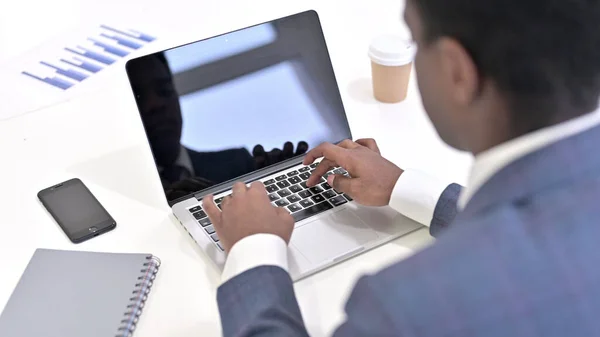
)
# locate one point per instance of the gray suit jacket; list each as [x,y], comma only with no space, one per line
[522,259]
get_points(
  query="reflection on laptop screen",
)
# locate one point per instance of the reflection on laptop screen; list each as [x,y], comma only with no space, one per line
[221,108]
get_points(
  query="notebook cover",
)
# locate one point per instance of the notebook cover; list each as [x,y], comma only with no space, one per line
[72,294]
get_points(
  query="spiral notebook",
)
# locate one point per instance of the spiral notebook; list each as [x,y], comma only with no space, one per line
[76,294]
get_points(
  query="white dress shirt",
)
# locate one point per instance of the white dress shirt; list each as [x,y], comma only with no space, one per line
[416,194]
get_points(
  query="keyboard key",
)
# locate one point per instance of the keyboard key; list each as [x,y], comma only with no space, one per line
[293,173]
[199,215]
[204,222]
[281,177]
[323,180]
[294,208]
[294,198]
[317,198]
[314,165]
[210,230]
[337,201]
[220,247]
[325,186]
[306,203]
[269,182]
[215,237]
[284,193]
[308,212]
[220,207]
[305,176]
[273,197]
[195,209]
[329,194]
[340,171]
[327,175]
[219,200]
[295,180]
[305,194]
[281,203]
[295,189]
[272,188]
[303,185]
[316,190]
[304,169]
[283,184]
[348,197]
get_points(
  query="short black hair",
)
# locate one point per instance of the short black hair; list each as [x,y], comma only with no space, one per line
[543,55]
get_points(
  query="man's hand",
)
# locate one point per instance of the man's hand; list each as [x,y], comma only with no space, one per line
[373,177]
[247,211]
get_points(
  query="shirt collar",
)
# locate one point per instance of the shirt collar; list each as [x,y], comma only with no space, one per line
[493,160]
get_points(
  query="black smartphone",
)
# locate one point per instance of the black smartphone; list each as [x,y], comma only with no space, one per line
[76,210]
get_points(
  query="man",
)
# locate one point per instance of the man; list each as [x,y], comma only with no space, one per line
[515,83]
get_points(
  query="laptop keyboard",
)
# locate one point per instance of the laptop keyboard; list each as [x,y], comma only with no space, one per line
[289,191]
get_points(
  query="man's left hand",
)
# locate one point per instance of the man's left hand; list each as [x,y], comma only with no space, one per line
[247,211]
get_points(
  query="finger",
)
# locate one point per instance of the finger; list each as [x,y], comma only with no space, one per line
[258,150]
[274,156]
[288,221]
[238,189]
[340,183]
[283,214]
[369,143]
[288,150]
[329,151]
[302,148]
[258,188]
[324,166]
[225,202]
[348,144]
[260,156]
[281,211]
[213,212]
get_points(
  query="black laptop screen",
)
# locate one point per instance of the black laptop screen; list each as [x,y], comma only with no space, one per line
[220,108]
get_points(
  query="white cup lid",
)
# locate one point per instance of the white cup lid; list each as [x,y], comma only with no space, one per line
[391,50]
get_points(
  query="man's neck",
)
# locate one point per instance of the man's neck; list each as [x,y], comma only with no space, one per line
[502,130]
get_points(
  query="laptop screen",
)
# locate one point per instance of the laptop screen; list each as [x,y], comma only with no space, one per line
[221,108]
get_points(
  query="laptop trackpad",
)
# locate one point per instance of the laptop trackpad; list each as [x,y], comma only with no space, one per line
[332,236]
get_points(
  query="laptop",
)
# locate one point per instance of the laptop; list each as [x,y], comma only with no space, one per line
[247,106]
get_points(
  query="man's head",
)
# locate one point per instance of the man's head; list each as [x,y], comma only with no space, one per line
[492,70]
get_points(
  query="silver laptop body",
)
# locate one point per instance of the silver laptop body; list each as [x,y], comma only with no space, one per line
[212,109]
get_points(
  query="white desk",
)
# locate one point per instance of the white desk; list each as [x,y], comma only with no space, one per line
[98,138]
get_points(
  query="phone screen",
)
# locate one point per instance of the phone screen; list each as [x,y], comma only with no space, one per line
[75,208]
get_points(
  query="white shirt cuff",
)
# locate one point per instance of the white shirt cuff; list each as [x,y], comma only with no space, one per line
[415,196]
[255,251]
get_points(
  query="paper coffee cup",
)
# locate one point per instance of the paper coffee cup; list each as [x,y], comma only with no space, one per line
[391,64]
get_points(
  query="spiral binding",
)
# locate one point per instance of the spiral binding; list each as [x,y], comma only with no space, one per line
[140,295]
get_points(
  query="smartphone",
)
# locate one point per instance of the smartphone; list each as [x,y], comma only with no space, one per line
[76,210]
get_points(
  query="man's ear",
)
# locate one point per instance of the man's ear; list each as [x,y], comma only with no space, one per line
[459,70]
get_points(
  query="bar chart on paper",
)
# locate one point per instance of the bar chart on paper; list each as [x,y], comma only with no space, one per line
[82,59]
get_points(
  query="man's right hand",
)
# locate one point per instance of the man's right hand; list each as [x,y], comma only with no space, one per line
[373,177]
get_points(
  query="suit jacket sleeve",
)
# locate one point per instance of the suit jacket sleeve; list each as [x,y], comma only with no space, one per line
[260,302]
[367,315]
[445,210]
